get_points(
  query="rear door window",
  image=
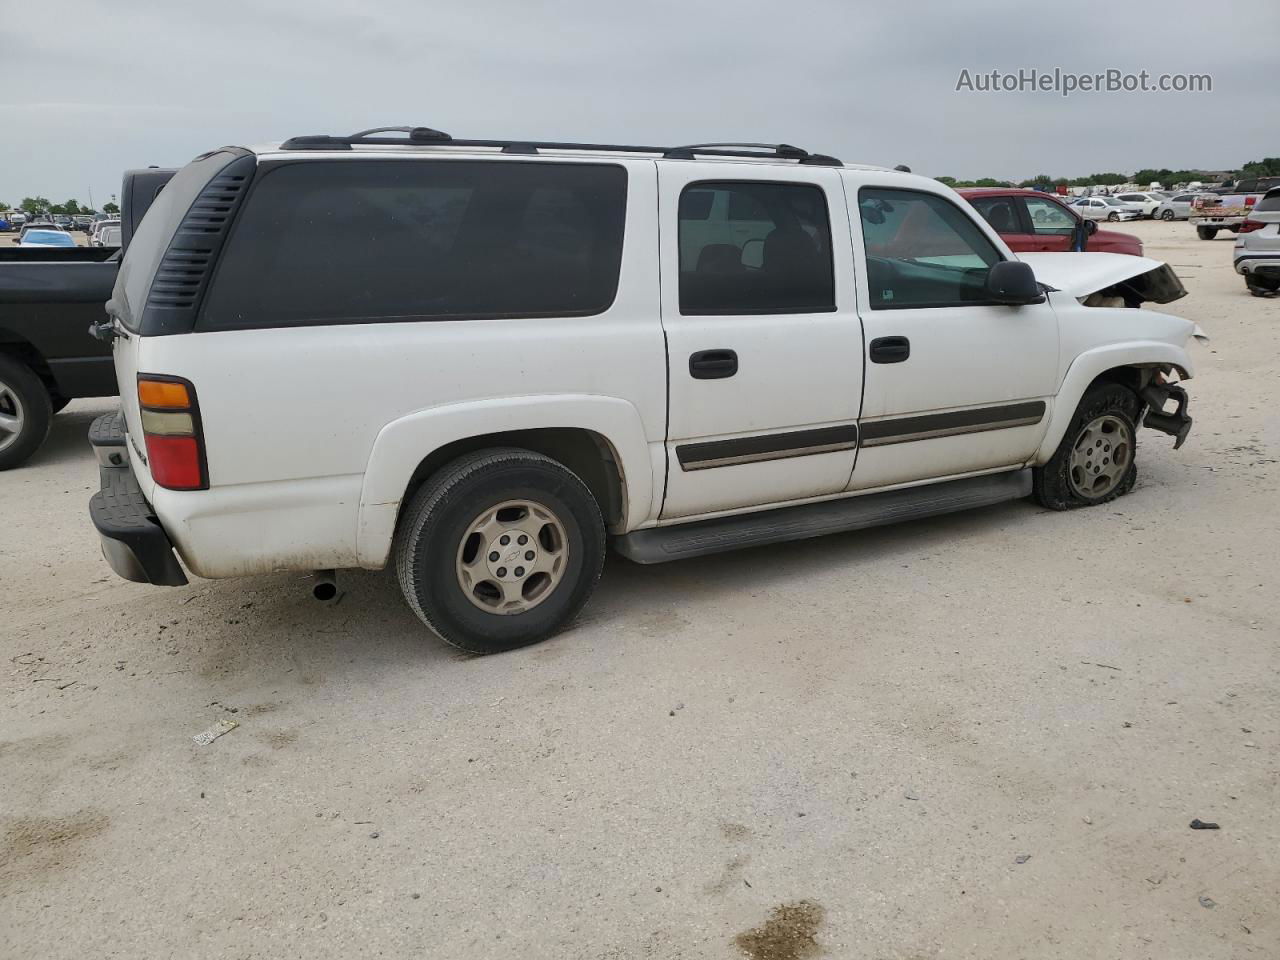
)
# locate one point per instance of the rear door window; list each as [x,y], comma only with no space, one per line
[378,240]
[750,247]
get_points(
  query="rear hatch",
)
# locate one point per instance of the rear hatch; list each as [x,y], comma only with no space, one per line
[164,274]
[1261,231]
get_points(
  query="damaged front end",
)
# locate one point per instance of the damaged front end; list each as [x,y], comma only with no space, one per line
[1107,279]
[1156,394]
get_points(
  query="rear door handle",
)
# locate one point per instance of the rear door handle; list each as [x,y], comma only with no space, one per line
[713,364]
[890,349]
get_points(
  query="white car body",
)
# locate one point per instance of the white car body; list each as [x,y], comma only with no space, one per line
[1148,203]
[1107,208]
[108,236]
[1175,207]
[313,434]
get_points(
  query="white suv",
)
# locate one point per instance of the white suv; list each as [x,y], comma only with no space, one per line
[479,361]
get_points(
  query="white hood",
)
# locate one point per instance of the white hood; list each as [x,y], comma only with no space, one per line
[1081,274]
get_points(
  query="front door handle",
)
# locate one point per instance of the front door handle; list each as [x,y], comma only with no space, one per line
[713,364]
[890,349]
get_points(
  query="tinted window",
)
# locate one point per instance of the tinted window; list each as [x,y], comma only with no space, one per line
[155,231]
[1268,204]
[1000,212]
[922,250]
[1049,218]
[333,242]
[757,248]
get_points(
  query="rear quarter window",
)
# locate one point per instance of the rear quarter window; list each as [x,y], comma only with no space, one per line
[156,230]
[322,242]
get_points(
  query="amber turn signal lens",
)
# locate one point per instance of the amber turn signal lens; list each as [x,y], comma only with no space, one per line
[163,395]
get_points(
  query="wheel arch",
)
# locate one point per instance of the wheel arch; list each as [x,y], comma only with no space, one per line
[1131,365]
[600,439]
[15,345]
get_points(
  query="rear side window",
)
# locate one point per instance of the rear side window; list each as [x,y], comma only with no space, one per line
[748,247]
[1268,204]
[363,241]
[922,250]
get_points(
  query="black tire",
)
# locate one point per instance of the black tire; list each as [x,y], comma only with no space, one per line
[1052,484]
[24,397]
[1206,233]
[1260,287]
[1168,215]
[434,527]
[1113,217]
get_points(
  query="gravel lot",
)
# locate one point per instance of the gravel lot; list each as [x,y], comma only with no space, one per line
[868,731]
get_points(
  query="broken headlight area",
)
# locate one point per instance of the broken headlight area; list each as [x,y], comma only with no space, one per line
[1160,285]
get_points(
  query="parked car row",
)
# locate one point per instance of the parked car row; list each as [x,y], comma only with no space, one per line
[15,220]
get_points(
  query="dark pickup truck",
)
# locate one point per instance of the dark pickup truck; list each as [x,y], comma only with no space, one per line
[49,297]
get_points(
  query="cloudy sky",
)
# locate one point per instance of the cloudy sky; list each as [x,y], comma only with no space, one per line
[92,87]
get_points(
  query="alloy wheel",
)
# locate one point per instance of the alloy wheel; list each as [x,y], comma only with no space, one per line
[512,557]
[12,416]
[1101,456]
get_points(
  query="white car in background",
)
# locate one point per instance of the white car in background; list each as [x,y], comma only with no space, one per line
[1107,208]
[108,236]
[96,230]
[1176,207]
[1148,202]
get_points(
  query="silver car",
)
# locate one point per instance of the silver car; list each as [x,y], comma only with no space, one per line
[1107,208]
[1257,253]
[1175,208]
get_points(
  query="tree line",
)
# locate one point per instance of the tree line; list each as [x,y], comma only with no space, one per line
[70,207]
[1267,167]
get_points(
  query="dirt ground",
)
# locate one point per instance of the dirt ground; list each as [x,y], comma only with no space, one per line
[982,736]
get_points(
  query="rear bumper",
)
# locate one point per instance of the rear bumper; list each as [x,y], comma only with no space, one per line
[133,541]
[1262,265]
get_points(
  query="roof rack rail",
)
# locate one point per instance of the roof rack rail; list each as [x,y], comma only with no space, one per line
[428,135]
[784,151]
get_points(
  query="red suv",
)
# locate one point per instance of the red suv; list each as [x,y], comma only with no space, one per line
[1031,222]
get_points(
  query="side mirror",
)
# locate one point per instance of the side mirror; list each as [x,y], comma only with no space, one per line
[1091,227]
[1013,283]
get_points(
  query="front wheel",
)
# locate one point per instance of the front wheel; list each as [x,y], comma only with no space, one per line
[1095,462]
[25,412]
[500,549]
[1113,217]
[1167,215]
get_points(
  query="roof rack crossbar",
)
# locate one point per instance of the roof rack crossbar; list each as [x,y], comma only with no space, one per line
[427,135]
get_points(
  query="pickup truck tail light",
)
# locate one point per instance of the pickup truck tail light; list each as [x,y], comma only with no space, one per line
[174,436]
[1251,225]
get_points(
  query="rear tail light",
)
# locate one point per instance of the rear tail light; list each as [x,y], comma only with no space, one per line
[1251,225]
[171,427]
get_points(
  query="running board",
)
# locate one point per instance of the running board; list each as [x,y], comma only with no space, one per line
[680,541]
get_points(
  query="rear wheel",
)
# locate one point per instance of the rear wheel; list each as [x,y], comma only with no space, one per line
[1095,462]
[25,412]
[1261,286]
[500,549]
[1206,233]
